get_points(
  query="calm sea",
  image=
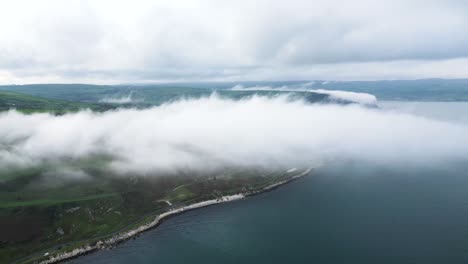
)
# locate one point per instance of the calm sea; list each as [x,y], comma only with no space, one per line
[346,213]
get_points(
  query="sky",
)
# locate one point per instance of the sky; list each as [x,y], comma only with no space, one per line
[142,41]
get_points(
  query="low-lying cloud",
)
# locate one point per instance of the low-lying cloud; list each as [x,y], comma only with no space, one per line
[360,98]
[128,99]
[213,133]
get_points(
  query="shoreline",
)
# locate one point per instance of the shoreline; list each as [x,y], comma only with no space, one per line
[124,236]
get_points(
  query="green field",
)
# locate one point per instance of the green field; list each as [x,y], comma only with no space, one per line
[61,98]
[155,94]
[41,214]
[36,218]
[29,104]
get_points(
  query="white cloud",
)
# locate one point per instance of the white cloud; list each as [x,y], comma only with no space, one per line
[360,98]
[120,100]
[210,133]
[118,41]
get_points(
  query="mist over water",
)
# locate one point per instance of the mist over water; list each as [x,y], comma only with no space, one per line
[452,112]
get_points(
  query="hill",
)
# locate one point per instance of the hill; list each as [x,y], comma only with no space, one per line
[28,104]
[155,94]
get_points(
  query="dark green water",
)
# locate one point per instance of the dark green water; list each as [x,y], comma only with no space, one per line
[372,216]
[346,213]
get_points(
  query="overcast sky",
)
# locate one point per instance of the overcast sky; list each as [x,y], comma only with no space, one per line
[196,40]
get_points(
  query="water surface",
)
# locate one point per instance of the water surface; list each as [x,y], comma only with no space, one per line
[345,213]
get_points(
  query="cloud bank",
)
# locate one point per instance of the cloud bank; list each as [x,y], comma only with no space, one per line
[213,133]
[143,41]
[360,98]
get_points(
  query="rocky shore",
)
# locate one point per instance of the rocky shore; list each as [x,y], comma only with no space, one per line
[107,243]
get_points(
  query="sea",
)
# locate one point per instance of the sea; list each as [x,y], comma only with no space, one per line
[340,214]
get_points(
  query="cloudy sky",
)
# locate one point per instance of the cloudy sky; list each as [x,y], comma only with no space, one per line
[175,40]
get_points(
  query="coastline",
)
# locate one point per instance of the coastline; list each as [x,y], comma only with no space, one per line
[123,236]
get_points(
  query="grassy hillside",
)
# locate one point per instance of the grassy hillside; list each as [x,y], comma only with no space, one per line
[39,214]
[68,92]
[155,94]
[95,93]
[27,104]
[93,96]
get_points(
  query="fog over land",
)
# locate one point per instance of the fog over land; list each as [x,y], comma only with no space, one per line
[212,133]
[361,98]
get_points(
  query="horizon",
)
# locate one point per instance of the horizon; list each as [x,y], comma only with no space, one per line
[235,82]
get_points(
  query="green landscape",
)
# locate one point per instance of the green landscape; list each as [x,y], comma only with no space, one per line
[148,132]
[42,215]
[30,104]
[37,218]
